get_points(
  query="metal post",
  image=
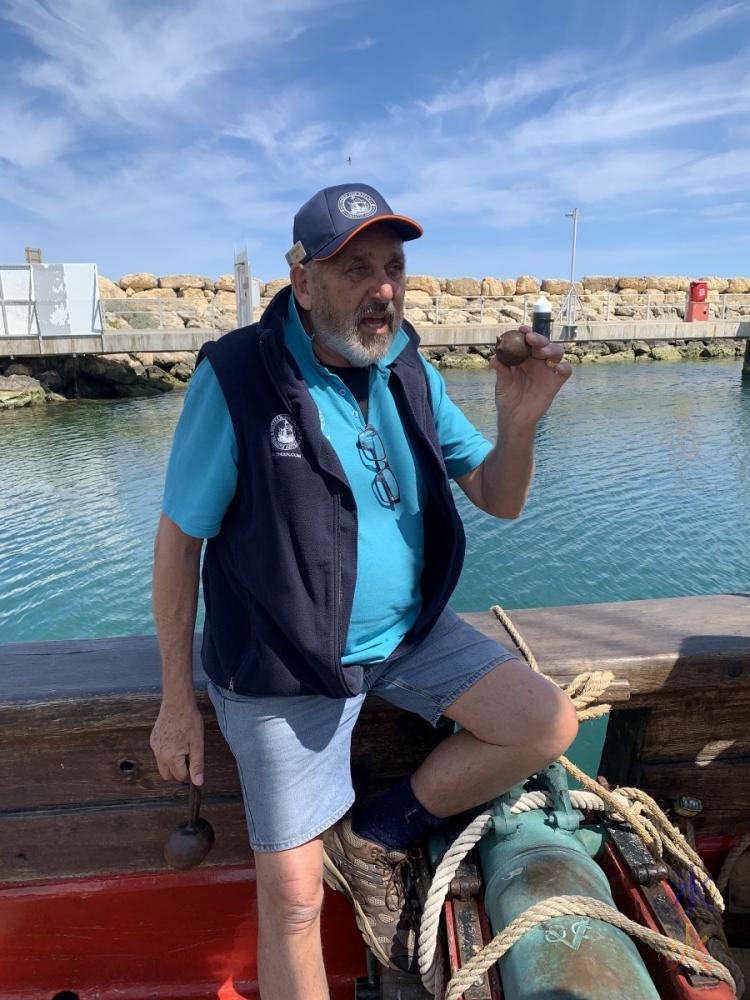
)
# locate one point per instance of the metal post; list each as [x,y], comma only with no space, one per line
[571,302]
[609,299]
[437,309]
[161,314]
[481,308]
[648,305]
[525,309]
[724,305]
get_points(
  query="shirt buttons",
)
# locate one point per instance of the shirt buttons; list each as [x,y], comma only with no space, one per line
[342,392]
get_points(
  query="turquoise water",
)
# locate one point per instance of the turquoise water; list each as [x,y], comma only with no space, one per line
[642,490]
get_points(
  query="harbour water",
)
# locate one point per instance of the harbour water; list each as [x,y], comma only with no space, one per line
[642,490]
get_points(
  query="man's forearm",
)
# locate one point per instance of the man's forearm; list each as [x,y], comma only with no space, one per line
[507,472]
[175,601]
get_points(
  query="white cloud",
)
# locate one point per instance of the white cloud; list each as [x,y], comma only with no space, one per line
[109,58]
[362,43]
[282,123]
[522,83]
[626,108]
[30,138]
[699,22]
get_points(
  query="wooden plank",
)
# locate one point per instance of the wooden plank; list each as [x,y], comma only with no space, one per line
[96,840]
[92,765]
[722,786]
[676,644]
[699,730]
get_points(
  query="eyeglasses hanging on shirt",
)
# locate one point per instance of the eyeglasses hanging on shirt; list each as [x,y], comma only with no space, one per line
[385,484]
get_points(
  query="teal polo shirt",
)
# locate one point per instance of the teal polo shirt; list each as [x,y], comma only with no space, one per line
[202,478]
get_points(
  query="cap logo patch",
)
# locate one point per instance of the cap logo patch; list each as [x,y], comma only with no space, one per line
[357,205]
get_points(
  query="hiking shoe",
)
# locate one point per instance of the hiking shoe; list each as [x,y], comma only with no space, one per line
[379,884]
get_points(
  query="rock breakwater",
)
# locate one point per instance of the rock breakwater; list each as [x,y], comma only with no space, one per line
[145,300]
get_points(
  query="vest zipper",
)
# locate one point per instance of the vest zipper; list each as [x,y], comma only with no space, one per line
[337,575]
[231,683]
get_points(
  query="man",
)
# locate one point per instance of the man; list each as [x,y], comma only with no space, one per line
[314,453]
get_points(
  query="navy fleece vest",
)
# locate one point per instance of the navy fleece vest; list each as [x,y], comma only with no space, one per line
[278,579]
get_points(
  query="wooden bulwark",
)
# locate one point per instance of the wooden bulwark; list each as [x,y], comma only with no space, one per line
[80,793]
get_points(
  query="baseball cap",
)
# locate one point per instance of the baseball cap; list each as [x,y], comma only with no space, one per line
[334,215]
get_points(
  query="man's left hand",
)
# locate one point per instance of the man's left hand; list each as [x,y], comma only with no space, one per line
[523,394]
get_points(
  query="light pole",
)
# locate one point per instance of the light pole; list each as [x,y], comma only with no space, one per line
[570,302]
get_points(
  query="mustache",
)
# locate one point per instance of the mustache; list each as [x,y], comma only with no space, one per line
[387,310]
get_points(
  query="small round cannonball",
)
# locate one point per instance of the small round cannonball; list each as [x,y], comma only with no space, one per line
[511,348]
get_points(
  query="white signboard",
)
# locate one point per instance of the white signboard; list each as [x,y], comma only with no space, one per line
[49,300]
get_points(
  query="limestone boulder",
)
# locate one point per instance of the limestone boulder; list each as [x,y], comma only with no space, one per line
[183,373]
[185,281]
[527,285]
[167,360]
[225,301]
[144,357]
[555,286]
[632,283]
[493,286]
[418,299]
[712,349]
[629,295]
[17,391]
[509,284]
[225,283]
[453,317]
[666,353]
[155,293]
[467,361]
[668,282]
[116,323]
[108,289]
[422,283]
[691,350]
[196,311]
[463,286]
[511,312]
[19,368]
[600,283]
[738,286]
[193,293]
[640,347]
[716,284]
[617,358]
[414,315]
[141,282]
[448,301]
[118,369]
[52,380]
[273,287]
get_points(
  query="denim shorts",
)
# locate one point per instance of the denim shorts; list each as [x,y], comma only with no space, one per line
[293,752]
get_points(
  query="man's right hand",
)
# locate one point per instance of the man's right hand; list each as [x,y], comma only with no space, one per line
[177,740]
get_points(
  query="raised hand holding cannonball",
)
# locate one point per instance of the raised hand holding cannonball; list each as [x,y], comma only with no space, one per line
[524,391]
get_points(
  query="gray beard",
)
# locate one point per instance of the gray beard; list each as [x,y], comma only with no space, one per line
[359,349]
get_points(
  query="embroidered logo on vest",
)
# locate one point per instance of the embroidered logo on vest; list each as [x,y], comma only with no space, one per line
[285,436]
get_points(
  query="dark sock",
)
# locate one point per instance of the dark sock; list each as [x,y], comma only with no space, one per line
[394,819]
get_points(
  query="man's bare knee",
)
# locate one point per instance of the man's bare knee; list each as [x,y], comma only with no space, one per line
[290,889]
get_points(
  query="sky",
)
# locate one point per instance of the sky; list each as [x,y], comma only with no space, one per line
[162,136]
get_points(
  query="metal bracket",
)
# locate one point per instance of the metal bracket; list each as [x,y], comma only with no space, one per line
[505,823]
[563,815]
[644,869]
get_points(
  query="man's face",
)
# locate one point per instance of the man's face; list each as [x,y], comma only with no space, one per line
[357,297]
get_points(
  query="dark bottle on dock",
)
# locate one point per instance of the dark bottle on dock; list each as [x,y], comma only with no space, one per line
[541,317]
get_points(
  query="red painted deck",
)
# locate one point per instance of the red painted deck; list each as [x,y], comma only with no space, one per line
[167,936]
